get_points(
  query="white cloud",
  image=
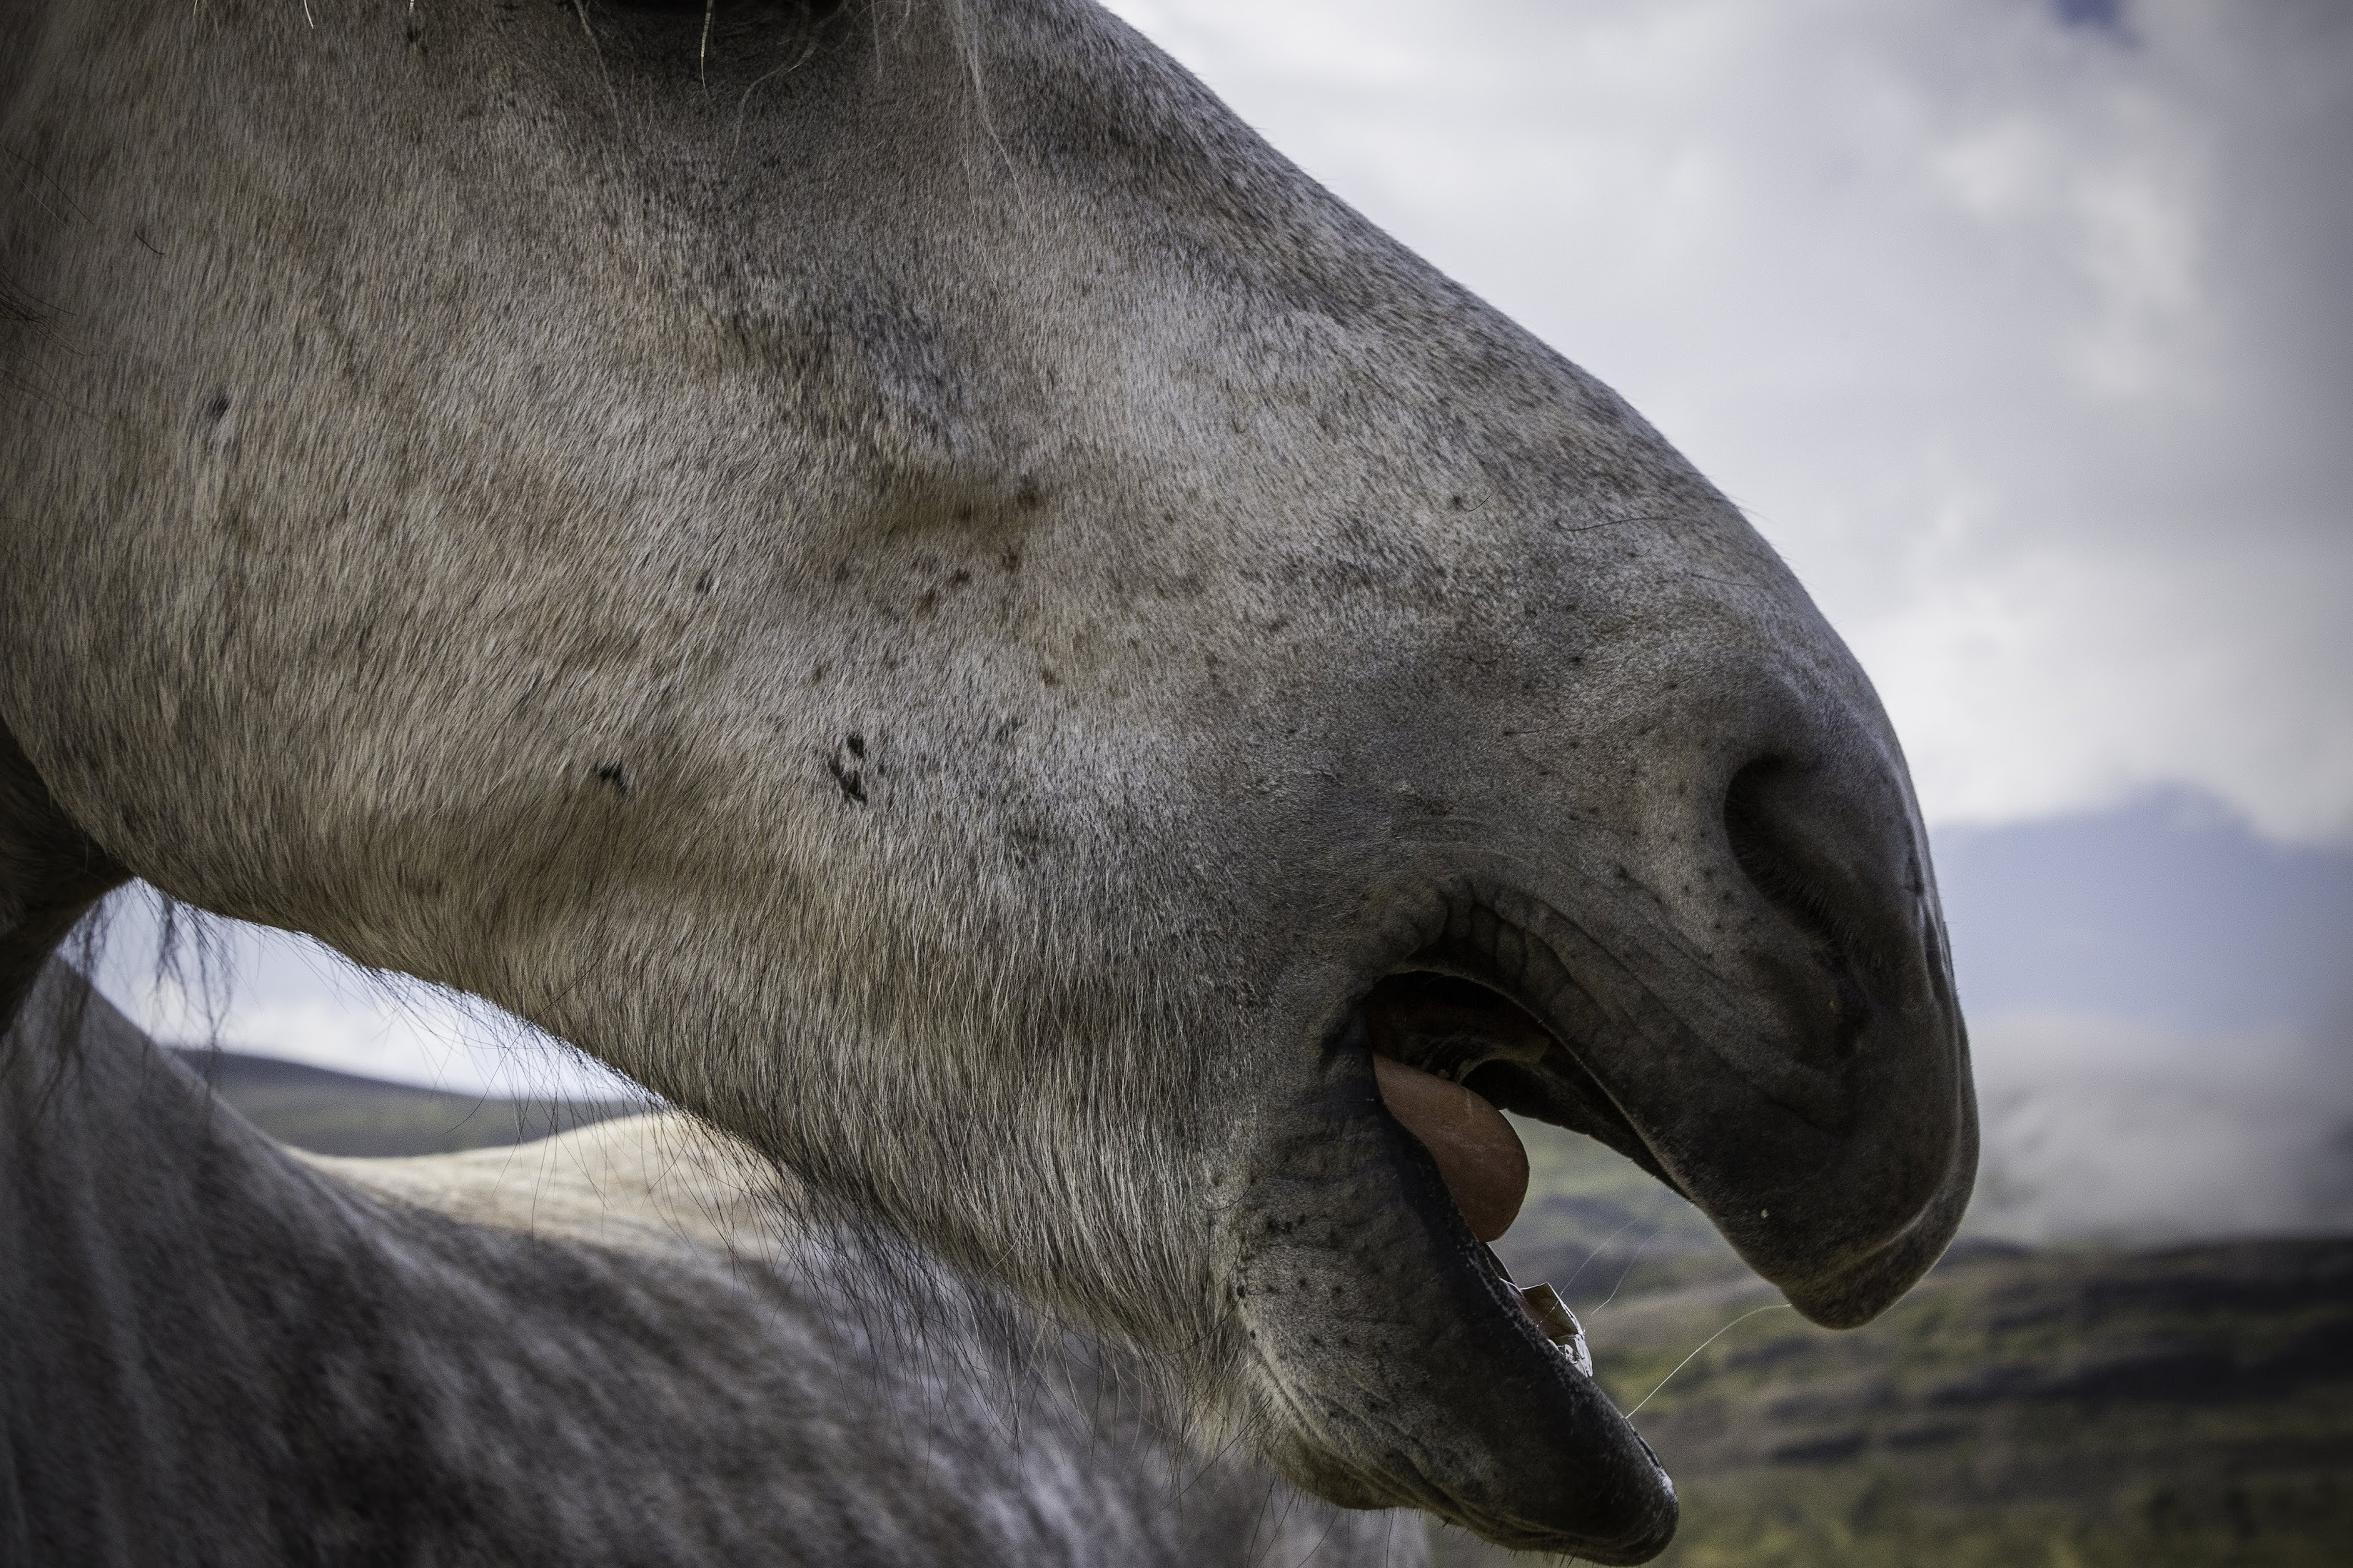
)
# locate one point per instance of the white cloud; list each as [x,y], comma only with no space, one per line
[2026,342]
[2100,1128]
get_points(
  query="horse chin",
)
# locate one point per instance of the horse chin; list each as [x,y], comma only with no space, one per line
[1406,1368]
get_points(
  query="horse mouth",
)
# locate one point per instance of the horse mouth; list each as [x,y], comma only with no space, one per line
[1450,1047]
[1447,1050]
[1832,1143]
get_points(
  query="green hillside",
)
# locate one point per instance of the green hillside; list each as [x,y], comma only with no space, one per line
[1596,1225]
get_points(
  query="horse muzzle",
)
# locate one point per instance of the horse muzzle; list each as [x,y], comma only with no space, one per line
[1798,1070]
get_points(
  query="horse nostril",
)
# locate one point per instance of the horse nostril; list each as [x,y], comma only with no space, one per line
[1812,850]
[1767,835]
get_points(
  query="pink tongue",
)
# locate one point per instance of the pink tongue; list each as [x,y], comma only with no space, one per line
[1478,1155]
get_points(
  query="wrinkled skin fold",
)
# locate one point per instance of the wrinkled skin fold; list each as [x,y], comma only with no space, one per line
[907,582]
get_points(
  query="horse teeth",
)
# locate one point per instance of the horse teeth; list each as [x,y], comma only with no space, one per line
[1551,1315]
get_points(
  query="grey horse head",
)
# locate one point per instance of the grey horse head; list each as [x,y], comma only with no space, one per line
[896,575]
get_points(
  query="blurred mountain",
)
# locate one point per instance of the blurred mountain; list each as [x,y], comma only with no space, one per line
[2167,911]
[2161,1005]
[341,1114]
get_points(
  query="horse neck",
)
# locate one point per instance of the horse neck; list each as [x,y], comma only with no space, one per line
[211,1352]
[157,1258]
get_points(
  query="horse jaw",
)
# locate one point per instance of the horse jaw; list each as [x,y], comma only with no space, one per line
[933,600]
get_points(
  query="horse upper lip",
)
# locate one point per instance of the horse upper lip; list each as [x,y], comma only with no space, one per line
[1463,1019]
[1838,1175]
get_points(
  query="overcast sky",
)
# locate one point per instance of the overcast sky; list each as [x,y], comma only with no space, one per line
[2021,328]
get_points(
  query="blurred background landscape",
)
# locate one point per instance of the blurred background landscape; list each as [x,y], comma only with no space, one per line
[2021,328]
